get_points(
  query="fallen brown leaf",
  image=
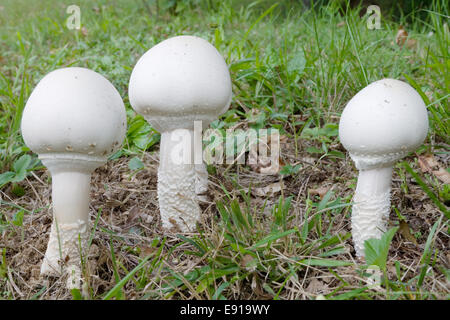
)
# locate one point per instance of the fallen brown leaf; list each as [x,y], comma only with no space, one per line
[249,263]
[84,31]
[401,36]
[406,233]
[269,190]
[266,164]
[146,251]
[401,39]
[321,191]
[316,286]
[442,175]
[429,164]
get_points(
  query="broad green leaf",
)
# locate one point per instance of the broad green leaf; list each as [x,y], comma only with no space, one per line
[20,166]
[6,177]
[376,250]
[135,164]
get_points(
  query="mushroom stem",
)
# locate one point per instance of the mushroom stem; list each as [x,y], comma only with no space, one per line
[370,212]
[177,179]
[70,227]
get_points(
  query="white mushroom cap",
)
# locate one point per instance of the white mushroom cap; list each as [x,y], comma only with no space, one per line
[178,81]
[382,123]
[76,111]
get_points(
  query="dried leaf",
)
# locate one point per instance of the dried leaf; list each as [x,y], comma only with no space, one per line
[249,263]
[401,36]
[321,191]
[401,39]
[406,233]
[131,214]
[269,190]
[271,162]
[146,251]
[256,286]
[84,31]
[411,43]
[429,164]
[442,175]
[113,203]
[315,286]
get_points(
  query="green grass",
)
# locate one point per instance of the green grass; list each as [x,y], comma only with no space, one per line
[293,68]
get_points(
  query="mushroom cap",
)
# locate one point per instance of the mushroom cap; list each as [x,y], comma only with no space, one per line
[74,111]
[382,123]
[178,81]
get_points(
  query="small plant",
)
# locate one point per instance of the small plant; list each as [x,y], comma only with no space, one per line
[21,168]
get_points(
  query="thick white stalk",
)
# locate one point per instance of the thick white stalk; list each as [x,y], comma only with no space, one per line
[71,178]
[370,212]
[177,179]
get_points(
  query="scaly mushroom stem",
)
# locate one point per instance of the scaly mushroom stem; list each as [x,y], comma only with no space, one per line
[177,181]
[370,212]
[70,228]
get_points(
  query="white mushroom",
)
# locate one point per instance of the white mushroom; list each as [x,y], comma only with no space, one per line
[73,119]
[177,82]
[380,125]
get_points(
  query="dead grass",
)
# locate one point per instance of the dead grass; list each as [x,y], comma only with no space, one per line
[129,220]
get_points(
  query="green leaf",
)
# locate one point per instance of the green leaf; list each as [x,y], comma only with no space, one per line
[376,250]
[314,150]
[350,294]
[6,177]
[135,164]
[218,293]
[333,252]
[20,166]
[76,294]
[427,252]
[18,218]
[325,262]
[289,170]
[427,190]
[272,237]
[115,291]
